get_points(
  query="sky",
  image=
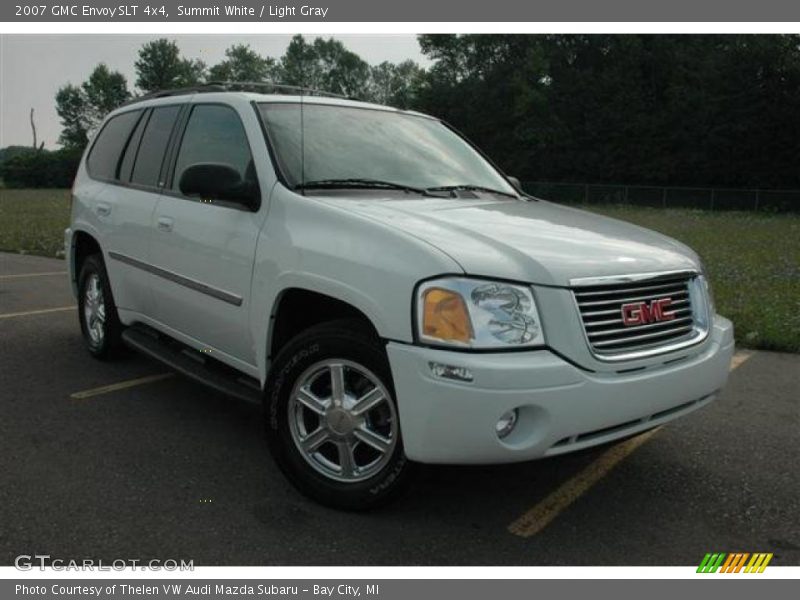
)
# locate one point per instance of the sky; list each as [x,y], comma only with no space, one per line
[33,67]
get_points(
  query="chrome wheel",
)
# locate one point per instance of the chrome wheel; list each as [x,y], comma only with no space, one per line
[94,309]
[342,420]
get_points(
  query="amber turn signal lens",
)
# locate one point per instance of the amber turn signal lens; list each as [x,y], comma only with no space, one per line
[445,316]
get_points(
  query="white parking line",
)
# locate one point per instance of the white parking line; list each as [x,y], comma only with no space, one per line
[22,275]
[43,311]
[547,510]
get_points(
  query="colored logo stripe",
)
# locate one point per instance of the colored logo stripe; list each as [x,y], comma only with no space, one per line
[711,563]
[758,563]
[734,562]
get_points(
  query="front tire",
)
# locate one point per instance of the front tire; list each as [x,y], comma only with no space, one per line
[97,312]
[332,421]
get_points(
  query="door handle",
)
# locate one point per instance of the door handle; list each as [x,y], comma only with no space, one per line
[102,209]
[165,224]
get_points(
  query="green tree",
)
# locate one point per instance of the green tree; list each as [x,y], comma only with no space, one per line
[395,84]
[343,71]
[73,111]
[82,108]
[243,64]
[160,66]
[491,87]
[104,91]
[325,65]
[299,64]
[702,110]
[41,168]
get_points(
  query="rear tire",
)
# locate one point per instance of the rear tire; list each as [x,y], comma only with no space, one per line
[97,312]
[331,418]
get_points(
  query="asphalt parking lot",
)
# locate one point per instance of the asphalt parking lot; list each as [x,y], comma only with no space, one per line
[160,467]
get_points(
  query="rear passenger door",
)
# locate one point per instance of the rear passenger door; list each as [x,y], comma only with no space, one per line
[130,204]
[205,247]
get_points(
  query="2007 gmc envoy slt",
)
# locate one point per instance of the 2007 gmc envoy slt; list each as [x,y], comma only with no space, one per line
[389,295]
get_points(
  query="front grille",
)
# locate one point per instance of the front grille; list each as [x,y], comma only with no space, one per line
[600,305]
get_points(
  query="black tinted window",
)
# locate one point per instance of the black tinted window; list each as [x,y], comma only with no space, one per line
[153,145]
[129,154]
[104,156]
[215,134]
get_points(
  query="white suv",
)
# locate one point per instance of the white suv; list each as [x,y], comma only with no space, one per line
[386,291]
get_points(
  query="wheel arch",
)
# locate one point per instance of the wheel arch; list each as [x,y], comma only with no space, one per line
[298,308]
[83,244]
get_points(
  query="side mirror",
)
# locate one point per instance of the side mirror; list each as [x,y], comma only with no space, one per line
[515,182]
[217,181]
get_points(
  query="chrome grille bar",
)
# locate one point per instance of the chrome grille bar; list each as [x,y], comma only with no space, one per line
[615,311]
[600,307]
[659,288]
[674,324]
[679,312]
[625,299]
[644,336]
[657,329]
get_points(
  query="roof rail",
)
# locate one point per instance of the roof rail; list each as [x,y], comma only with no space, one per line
[262,87]
[245,86]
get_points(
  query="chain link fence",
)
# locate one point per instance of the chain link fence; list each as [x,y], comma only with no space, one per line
[667,197]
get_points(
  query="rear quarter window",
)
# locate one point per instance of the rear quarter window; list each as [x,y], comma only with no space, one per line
[129,154]
[104,156]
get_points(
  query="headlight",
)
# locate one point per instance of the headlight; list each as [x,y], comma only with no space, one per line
[706,283]
[474,313]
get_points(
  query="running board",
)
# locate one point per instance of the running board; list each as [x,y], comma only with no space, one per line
[192,364]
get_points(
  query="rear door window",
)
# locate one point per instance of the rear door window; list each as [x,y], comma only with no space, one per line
[150,155]
[106,151]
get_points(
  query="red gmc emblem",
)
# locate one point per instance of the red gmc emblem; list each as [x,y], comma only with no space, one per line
[641,313]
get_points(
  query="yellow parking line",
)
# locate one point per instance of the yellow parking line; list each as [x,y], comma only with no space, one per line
[739,358]
[21,275]
[43,311]
[122,385]
[542,514]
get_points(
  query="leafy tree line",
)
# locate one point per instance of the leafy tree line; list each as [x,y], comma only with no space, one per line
[673,110]
[705,110]
[323,64]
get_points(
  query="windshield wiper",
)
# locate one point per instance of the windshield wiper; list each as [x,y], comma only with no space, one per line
[361,182]
[470,188]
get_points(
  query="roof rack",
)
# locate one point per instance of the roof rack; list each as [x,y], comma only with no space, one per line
[261,87]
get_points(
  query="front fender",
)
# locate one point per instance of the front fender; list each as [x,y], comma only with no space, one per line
[323,248]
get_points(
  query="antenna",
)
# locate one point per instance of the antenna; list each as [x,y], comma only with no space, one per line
[302,144]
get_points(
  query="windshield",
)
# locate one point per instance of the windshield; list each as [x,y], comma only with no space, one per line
[349,143]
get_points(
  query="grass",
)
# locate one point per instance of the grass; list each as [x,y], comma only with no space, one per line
[753,259]
[33,221]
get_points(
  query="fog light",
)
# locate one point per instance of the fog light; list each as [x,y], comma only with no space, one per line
[507,423]
[450,372]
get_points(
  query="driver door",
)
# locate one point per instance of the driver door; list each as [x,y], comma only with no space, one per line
[203,248]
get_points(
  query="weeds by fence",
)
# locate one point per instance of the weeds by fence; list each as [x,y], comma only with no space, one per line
[668,197]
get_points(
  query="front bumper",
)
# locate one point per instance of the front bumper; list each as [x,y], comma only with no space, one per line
[562,408]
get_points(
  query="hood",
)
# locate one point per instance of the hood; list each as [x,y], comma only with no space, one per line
[538,241]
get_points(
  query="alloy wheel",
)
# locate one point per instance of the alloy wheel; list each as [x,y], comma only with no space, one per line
[342,420]
[94,309]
